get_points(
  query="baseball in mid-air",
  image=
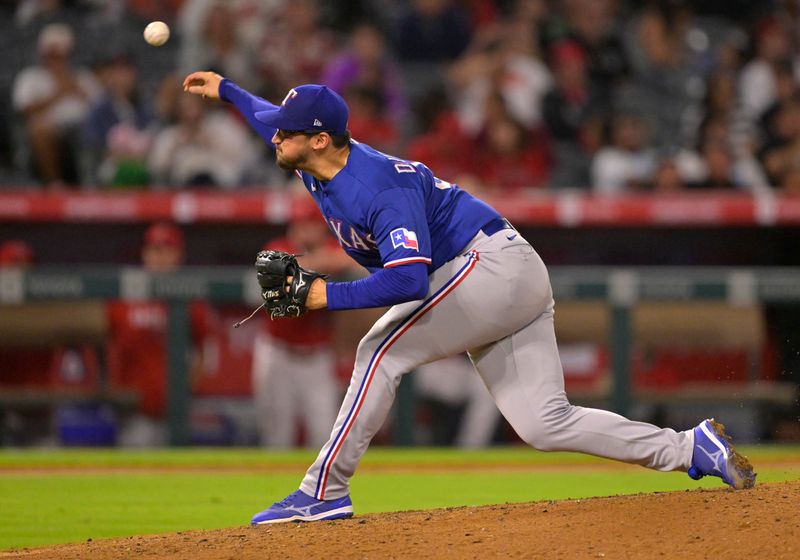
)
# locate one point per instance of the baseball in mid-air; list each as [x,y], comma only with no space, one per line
[156,33]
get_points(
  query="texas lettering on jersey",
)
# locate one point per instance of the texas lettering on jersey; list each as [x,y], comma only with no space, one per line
[350,238]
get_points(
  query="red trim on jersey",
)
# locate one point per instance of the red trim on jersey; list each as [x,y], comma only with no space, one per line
[408,260]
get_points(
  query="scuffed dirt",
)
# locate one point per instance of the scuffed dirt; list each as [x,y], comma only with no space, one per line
[760,523]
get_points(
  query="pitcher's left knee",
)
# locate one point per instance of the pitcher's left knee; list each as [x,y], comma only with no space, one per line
[545,430]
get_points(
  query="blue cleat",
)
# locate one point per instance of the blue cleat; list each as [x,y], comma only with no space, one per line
[715,456]
[299,506]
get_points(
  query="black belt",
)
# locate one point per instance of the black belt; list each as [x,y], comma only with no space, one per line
[498,224]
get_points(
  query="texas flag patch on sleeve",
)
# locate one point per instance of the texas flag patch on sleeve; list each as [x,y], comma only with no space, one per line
[401,237]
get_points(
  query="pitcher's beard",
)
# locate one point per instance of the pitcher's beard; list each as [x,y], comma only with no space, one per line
[289,165]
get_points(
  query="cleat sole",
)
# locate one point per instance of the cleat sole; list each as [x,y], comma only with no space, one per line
[740,469]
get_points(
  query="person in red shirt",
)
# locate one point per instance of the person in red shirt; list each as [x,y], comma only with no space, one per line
[447,148]
[369,121]
[513,158]
[294,365]
[137,341]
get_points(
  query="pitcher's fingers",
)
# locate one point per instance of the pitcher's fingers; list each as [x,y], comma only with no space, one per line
[196,77]
[199,90]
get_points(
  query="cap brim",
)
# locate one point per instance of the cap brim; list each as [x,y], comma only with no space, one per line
[272,117]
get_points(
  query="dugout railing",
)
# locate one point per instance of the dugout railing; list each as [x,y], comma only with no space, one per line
[620,289]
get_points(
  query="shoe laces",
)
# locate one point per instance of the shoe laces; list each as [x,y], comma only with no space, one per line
[287,500]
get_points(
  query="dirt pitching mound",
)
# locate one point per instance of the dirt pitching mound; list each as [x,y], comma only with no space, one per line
[760,523]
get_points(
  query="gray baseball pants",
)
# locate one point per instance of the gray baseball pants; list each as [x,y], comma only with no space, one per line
[495,302]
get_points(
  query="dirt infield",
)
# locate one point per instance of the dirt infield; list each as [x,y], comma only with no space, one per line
[721,523]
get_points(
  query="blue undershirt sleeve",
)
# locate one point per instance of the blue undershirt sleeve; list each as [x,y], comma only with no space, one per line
[387,286]
[248,105]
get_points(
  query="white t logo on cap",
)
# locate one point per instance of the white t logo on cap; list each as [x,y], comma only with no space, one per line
[291,95]
[317,122]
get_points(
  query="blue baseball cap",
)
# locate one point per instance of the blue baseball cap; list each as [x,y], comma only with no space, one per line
[309,108]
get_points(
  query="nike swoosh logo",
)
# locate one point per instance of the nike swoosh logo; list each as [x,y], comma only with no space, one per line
[510,237]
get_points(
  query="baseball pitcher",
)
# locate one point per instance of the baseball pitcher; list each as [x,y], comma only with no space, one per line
[458,277]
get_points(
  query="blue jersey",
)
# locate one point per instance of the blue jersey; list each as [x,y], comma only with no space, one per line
[387,211]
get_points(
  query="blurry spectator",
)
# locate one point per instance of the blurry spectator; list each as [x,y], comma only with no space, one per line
[251,18]
[215,43]
[205,147]
[724,121]
[786,84]
[658,40]
[663,85]
[506,59]
[627,163]
[431,31]
[719,167]
[125,161]
[786,92]
[510,156]
[27,10]
[426,37]
[573,102]
[758,80]
[790,180]
[369,121]
[446,148]
[484,13]
[591,24]
[115,133]
[137,341]
[294,367]
[34,13]
[166,98]
[781,147]
[54,99]
[295,50]
[572,113]
[729,52]
[463,410]
[716,128]
[365,64]
[667,178]
[722,103]
[715,144]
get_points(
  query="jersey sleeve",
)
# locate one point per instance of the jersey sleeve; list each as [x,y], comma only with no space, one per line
[400,228]
[248,105]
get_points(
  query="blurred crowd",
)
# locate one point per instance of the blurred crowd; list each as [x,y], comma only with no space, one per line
[612,96]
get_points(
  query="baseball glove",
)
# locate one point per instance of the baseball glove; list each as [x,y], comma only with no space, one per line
[273,268]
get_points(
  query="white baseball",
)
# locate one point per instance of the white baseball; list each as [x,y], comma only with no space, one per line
[156,33]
